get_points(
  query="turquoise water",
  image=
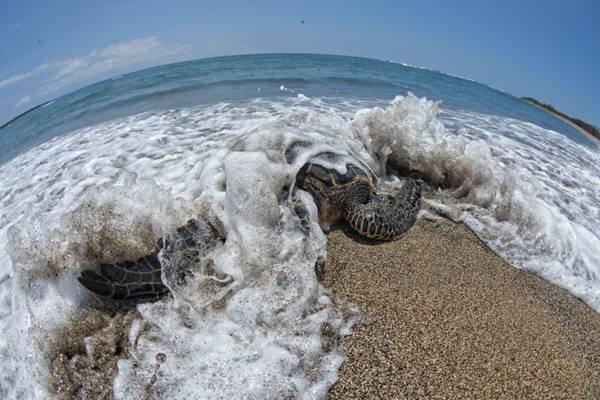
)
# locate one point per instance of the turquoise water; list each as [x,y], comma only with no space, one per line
[239,78]
[99,174]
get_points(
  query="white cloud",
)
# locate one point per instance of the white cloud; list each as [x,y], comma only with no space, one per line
[59,74]
[17,78]
[23,101]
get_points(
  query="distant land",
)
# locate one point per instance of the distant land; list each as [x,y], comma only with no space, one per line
[582,125]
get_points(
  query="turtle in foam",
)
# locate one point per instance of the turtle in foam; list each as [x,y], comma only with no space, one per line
[342,191]
[351,196]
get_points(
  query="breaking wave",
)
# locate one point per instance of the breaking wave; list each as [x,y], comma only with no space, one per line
[106,192]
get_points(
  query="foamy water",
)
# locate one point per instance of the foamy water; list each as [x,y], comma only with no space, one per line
[108,191]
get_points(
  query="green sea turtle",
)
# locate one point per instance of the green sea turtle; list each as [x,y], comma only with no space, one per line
[349,196]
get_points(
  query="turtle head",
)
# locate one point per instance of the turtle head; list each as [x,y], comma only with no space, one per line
[329,210]
[333,191]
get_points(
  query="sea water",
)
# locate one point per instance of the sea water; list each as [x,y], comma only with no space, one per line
[99,174]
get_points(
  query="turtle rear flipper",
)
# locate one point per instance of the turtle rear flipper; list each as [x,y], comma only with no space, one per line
[129,280]
[386,216]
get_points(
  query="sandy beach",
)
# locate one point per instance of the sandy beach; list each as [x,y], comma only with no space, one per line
[575,126]
[443,318]
[446,318]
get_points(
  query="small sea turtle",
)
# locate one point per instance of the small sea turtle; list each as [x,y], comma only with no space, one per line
[349,196]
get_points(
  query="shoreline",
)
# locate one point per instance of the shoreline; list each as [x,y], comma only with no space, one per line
[448,318]
[570,123]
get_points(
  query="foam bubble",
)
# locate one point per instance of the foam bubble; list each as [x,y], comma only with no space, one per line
[284,88]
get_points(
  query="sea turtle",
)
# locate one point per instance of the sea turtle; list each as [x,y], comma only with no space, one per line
[349,196]
[352,196]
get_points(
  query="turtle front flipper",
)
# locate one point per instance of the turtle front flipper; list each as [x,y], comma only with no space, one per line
[129,280]
[175,256]
[386,217]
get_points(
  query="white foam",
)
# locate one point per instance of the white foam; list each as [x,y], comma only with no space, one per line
[284,88]
[432,70]
[260,345]
[107,192]
[530,193]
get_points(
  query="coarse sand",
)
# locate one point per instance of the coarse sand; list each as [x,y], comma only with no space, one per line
[447,318]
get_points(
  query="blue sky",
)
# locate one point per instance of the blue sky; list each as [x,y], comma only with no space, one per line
[545,49]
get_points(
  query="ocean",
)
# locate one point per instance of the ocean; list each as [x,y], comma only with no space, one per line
[98,174]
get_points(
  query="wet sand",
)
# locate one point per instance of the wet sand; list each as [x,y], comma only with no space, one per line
[575,126]
[447,318]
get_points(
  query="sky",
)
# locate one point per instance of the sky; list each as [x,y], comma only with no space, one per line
[545,49]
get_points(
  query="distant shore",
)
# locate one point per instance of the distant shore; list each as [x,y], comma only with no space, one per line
[448,318]
[568,120]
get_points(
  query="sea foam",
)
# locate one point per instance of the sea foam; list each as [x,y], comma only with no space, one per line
[107,192]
